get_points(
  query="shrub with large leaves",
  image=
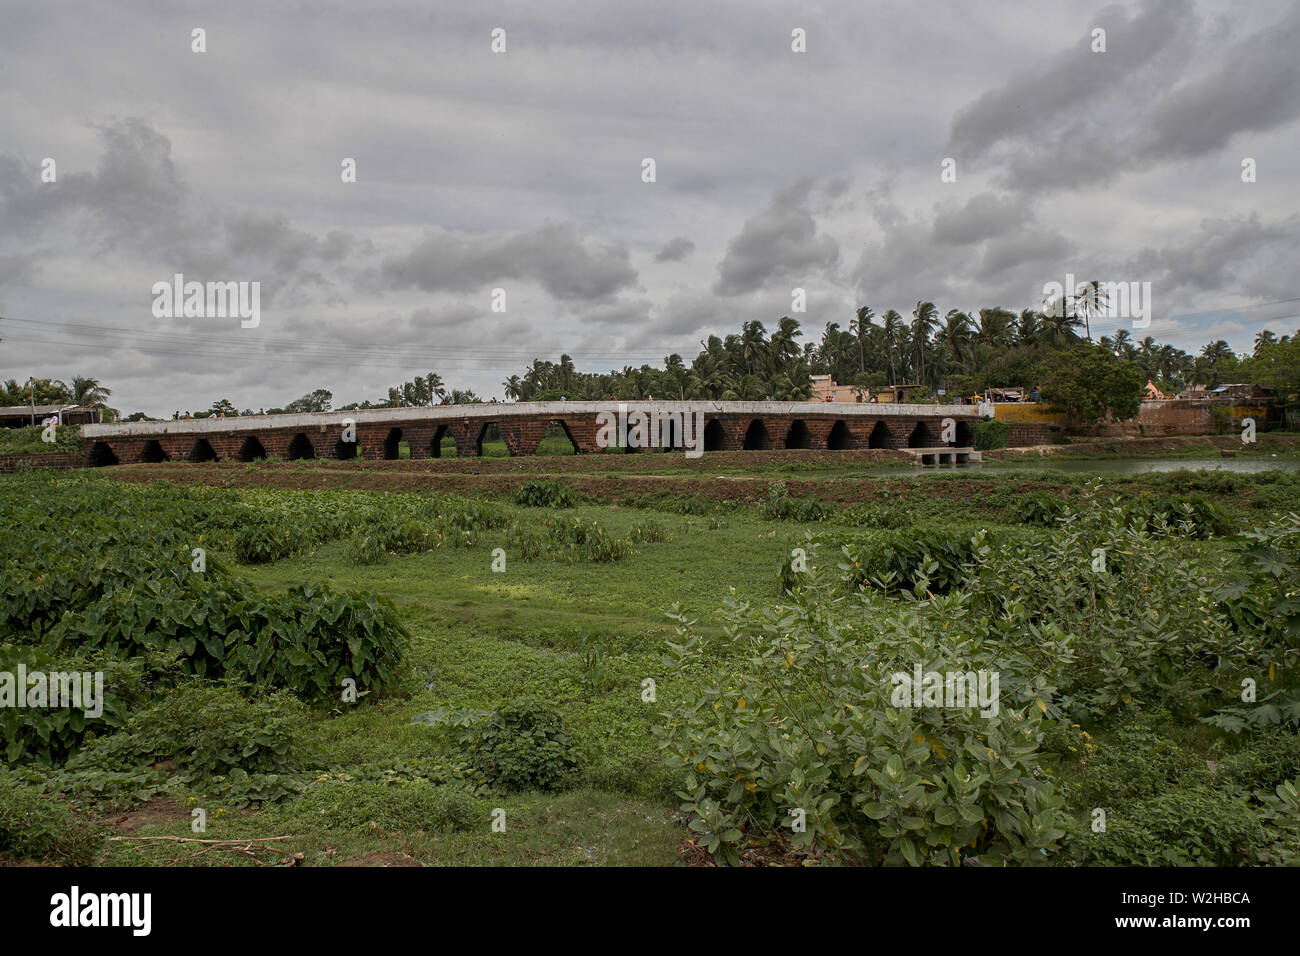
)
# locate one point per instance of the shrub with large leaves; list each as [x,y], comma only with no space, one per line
[795,733]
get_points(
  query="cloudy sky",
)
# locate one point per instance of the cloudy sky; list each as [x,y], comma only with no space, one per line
[523,171]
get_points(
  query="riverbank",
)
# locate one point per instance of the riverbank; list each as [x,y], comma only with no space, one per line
[1175,446]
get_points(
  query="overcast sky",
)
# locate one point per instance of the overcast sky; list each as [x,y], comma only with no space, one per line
[523,171]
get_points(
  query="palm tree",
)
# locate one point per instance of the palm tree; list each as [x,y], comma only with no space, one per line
[894,330]
[955,334]
[924,318]
[1215,352]
[1263,340]
[752,341]
[566,372]
[1059,326]
[433,382]
[860,325]
[1029,327]
[1121,341]
[89,393]
[1089,300]
[512,386]
[996,327]
[782,345]
[676,372]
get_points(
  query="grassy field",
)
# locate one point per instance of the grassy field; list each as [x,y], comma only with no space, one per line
[367,783]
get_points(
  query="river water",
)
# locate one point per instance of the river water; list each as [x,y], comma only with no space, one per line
[1131,466]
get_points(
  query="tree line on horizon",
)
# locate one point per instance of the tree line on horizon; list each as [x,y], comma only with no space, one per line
[958,353]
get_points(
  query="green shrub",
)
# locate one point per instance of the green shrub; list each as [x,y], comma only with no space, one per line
[1280,814]
[793,735]
[781,506]
[260,542]
[30,440]
[1039,508]
[307,639]
[1135,763]
[1192,826]
[523,746]
[1192,516]
[914,560]
[367,548]
[545,494]
[48,734]
[990,434]
[648,531]
[206,736]
[37,827]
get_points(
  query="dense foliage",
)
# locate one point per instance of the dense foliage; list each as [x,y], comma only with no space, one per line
[791,728]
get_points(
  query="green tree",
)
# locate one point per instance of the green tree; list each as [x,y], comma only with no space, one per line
[1088,383]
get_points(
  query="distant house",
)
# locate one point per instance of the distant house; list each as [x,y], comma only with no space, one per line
[1153,394]
[22,416]
[825,389]
[1242,390]
[1003,395]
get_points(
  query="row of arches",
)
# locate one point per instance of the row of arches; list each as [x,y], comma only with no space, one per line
[757,437]
[300,447]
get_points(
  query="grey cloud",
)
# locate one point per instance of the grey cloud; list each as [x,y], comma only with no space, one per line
[455,316]
[1256,88]
[992,248]
[676,250]
[780,241]
[17,269]
[1057,87]
[271,239]
[1236,256]
[557,257]
[1073,121]
[629,313]
[984,215]
[135,195]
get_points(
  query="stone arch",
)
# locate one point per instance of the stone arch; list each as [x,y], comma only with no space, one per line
[713,435]
[435,443]
[756,437]
[300,447]
[482,434]
[798,436]
[346,450]
[101,455]
[564,429]
[251,449]
[202,451]
[153,453]
[879,437]
[393,445]
[840,438]
[965,435]
[921,437]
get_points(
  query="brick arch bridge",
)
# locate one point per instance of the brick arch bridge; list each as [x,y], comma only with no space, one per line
[729,426]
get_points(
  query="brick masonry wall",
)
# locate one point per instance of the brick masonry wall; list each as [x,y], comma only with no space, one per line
[1024,434]
[724,431]
[61,460]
